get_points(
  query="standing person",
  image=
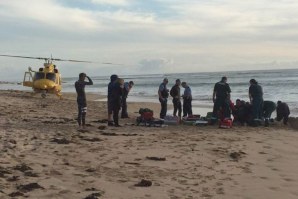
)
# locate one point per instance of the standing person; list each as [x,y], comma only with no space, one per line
[126,89]
[256,99]
[187,98]
[113,78]
[175,93]
[282,112]
[268,108]
[81,98]
[116,97]
[163,94]
[221,98]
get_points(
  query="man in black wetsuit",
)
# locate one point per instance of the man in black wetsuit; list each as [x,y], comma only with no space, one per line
[221,98]
[81,98]
[175,93]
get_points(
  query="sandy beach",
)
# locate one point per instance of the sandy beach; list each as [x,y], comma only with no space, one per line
[43,155]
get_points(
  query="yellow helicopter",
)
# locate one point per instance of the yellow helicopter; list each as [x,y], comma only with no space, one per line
[47,79]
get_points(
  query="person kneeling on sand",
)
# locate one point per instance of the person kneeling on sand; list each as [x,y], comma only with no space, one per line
[282,112]
[81,98]
[268,108]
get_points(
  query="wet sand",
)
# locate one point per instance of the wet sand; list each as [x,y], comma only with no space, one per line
[43,155]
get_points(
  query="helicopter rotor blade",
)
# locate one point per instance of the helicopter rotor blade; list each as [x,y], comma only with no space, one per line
[56,59]
[43,58]
[71,60]
[108,63]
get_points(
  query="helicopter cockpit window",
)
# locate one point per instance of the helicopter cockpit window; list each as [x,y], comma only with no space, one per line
[51,76]
[39,76]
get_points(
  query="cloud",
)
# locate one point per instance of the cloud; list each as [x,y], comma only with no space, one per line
[192,35]
[112,2]
[154,65]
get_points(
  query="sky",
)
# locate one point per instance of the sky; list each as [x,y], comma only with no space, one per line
[149,36]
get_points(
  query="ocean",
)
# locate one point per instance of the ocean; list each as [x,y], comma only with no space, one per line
[277,85]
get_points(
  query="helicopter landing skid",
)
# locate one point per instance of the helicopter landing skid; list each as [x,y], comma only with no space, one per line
[43,94]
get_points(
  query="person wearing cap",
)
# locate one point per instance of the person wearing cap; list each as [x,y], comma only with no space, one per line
[256,99]
[175,93]
[126,89]
[163,94]
[81,98]
[221,98]
[187,98]
[282,112]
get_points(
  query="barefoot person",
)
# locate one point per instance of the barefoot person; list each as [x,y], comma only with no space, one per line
[81,98]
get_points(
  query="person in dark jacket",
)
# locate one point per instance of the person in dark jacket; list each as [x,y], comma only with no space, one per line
[268,108]
[256,99]
[163,94]
[116,97]
[113,78]
[81,98]
[221,98]
[187,99]
[175,93]
[282,112]
[127,87]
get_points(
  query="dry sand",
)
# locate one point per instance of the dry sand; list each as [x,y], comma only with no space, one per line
[44,156]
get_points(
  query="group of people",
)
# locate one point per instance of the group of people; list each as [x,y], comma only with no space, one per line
[117,93]
[163,94]
[246,112]
[243,112]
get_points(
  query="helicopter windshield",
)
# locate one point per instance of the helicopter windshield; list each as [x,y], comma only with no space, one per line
[39,75]
[51,76]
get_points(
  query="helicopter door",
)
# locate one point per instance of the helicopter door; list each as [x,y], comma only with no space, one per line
[28,79]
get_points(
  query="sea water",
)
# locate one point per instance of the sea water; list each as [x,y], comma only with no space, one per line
[277,85]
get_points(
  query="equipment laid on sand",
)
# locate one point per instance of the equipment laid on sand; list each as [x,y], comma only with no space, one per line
[226,123]
[171,120]
[146,118]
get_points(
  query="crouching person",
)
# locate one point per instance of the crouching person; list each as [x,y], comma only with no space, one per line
[282,112]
